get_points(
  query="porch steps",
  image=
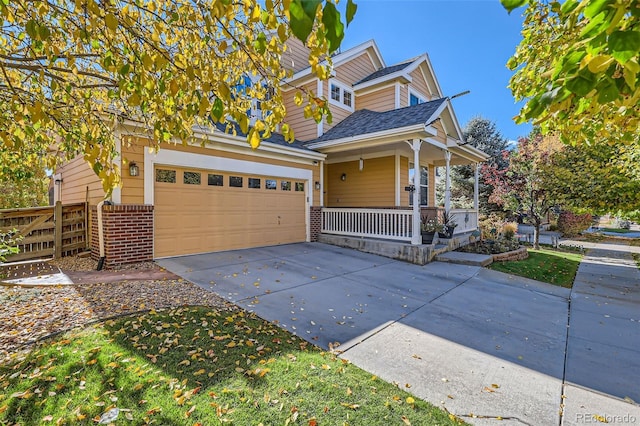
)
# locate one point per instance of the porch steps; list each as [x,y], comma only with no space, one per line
[470,259]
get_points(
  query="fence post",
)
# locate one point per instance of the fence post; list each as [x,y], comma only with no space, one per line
[57,220]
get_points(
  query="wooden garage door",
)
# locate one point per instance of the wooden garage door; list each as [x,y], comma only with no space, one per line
[198,211]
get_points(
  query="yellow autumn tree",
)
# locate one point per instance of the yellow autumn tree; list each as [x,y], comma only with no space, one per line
[70,68]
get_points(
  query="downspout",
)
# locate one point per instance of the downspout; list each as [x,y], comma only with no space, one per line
[100,236]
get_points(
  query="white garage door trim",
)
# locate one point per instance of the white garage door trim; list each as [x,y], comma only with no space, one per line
[207,162]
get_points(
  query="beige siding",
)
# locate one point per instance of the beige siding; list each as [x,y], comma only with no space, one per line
[418,83]
[441,136]
[337,114]
[380,100]
[431,196]
[404,181]
[133,187]
[296,57]
[79,183]
[404,96]
[355,70]
[304,129]
[372,187]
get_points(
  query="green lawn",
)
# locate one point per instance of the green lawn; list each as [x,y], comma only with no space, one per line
[197,366]
[617,230]
[550,266]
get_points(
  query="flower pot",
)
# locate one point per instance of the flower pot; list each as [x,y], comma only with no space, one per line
[447,232]
[427,237]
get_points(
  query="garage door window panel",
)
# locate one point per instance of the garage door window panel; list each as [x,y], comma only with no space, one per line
[285,185]
[299,186]
[191,178]
[270,184]
[165,176]
[235,181]
[254,183]
[215,180]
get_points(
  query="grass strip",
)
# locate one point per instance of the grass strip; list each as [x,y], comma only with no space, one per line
[549,266]
[198,366]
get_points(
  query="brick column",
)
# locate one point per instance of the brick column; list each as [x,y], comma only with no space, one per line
[128,233]
[315,222]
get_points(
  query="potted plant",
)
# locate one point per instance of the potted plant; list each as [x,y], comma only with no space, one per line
[429,227]
[448,225]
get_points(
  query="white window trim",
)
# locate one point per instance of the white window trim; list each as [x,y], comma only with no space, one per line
[416,94]
[343,87]
[425,165]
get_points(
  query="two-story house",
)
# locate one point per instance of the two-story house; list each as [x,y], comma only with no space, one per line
[369,173]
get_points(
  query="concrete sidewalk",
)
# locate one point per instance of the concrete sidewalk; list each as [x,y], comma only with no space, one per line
[603,348]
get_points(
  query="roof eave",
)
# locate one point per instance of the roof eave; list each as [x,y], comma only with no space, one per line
[416,131]
[402,74]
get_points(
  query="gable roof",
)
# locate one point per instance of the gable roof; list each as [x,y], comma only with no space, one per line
[345,56]
[385,71]
[403,71]
[365,121]
[275,138]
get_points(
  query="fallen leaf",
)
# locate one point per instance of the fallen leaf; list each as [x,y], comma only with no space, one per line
[405,420]
[351,406]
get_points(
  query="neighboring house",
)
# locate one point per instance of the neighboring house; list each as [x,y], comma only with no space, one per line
[386,120]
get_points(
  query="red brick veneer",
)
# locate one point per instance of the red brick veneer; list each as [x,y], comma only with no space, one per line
[128,233]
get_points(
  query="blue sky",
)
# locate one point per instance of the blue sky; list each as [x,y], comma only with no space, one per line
[468,42]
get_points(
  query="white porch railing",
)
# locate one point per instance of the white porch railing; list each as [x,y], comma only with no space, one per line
[390,224]
[467,220]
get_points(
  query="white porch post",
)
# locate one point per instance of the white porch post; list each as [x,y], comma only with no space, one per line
[476,192]
[447,182]
[416,238]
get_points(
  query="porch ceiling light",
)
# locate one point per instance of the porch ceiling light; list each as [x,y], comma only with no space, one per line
[134,170]
[343,177]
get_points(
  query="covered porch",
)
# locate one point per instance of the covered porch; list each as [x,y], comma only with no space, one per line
[380,185]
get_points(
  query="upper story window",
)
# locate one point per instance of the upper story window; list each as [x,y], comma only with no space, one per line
[341,95]
[416,98]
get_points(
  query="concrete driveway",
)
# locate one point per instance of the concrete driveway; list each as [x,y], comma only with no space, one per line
[482,344]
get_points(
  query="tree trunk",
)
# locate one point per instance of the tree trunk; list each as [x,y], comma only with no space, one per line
[536,235]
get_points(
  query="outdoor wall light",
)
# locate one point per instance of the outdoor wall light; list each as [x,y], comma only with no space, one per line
[343,177]
[134,170]
[361,165]
[57,181]
[317,185]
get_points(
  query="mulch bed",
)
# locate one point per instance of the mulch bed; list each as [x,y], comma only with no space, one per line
[30,314]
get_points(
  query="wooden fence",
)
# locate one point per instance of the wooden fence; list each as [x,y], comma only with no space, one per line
[52,231]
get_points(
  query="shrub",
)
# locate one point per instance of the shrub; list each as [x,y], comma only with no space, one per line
[571,224]
[509,230]
[491,226]
[621,223]
[8,244]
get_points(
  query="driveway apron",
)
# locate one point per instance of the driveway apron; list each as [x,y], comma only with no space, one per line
[481,344]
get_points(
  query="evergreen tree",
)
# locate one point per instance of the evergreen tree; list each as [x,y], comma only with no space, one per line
[480,133]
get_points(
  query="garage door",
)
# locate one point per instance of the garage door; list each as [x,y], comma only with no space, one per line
[198,211]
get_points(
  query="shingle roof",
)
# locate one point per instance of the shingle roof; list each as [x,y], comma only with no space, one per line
[275,138]
[365,121]
[384,71]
